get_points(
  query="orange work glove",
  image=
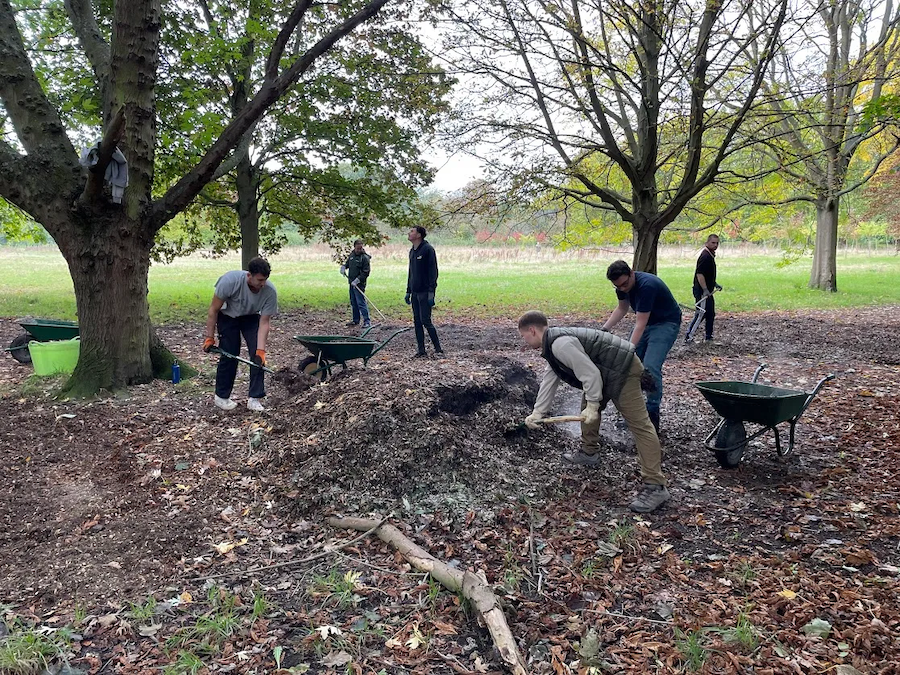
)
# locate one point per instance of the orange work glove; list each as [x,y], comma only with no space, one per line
[260,357]
[208,344]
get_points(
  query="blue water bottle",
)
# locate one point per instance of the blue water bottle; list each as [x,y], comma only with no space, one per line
[176,373]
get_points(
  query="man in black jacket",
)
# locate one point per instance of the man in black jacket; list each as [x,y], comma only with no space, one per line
[421,284]
[704,286]
[605,368]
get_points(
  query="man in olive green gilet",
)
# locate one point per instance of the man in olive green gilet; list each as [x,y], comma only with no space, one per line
[605,368]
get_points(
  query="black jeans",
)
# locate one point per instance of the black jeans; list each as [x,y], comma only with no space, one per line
[422,321]
[709,317]
[230,331]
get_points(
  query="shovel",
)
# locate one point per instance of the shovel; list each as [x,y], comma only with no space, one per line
[216,350]
[521,426]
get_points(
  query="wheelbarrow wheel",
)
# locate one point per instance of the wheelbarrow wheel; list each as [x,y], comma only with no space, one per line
[310,365]
[731,435]
[19,348]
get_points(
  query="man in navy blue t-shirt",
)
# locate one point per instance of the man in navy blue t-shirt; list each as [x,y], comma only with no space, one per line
[656,325]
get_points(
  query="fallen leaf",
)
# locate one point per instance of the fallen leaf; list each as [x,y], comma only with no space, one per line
[818,628]
[788,594]
[150,630]
[338,659]
[227,546]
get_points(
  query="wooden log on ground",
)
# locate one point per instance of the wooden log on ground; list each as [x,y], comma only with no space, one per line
[472,587]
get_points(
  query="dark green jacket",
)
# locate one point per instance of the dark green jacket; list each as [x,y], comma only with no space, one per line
[358,267]
[611,354]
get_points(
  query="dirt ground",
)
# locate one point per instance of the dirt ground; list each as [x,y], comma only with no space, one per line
[160,498]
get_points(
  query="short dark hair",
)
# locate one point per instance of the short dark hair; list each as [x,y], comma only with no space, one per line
[711,236]
[618,269]
[259,266]
[533,318]
[421,230]
[358,241]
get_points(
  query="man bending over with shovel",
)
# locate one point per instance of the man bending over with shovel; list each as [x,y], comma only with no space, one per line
[242,305]
[605,368]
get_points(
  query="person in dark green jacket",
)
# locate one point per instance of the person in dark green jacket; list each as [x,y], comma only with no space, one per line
[606,368]
[357,268]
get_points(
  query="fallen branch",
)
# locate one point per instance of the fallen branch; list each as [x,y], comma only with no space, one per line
[324,554]
[470,585]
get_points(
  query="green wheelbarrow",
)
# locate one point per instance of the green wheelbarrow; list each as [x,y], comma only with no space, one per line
[40,330]
[740,402]
[329,351]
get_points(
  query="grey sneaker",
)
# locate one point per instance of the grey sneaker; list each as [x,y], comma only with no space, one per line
[650,498]
[255,404]
[582,458]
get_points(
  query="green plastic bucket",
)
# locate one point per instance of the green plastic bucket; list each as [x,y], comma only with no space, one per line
[52,358]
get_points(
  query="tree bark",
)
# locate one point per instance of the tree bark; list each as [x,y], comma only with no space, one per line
[248,210]
[824,267]
[646,243]
[109,259]
[470,585]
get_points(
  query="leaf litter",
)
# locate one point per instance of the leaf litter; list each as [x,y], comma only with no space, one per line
[120,503]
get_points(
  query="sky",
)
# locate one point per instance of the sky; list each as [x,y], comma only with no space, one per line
[454,171]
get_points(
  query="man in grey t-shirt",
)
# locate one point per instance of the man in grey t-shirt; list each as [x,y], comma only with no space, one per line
[242,305]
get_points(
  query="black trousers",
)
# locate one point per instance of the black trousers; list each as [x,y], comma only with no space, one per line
[709,317]
[422,321]
[230,331]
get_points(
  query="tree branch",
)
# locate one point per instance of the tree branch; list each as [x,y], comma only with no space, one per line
[185,190]
[95,47]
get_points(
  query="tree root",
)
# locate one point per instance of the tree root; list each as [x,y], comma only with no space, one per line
[472,587]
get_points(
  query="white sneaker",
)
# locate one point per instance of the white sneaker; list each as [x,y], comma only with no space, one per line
[225,403]
[255,404]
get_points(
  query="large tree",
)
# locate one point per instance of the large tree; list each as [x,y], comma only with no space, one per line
[628,107]
[343,145]
[107,245]
[850,51]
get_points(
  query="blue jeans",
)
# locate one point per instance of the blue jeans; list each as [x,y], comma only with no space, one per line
[652,349]
[358,305]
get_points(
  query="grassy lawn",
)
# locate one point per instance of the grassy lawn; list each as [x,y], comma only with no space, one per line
[473,281]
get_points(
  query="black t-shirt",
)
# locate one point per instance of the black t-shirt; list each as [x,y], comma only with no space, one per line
[706,265]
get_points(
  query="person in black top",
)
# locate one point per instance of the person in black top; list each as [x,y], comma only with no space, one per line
[704,286]
[421,284]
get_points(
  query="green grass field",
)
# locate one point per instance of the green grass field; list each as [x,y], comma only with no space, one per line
[473,282]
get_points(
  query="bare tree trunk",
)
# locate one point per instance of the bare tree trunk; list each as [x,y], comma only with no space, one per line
[646,241]
[248,210]
[109,267]
[824,267]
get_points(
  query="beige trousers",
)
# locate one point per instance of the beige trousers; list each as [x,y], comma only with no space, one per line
[633,408]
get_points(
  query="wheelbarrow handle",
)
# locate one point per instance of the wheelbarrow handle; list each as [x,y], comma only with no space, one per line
[384,344]
[762,367]
[222,352]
